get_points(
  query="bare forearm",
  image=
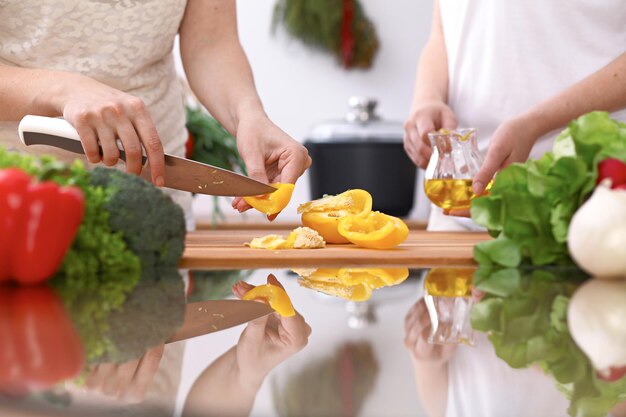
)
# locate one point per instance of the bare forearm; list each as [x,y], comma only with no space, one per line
[431,81]
[215,64]
[226,87]
[602,90]
[432,387]
[31,91]
[220,390]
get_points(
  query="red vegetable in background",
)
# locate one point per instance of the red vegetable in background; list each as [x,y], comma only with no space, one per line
[614,374]
[189,145]
[614,169]
[40,347]
[38,222]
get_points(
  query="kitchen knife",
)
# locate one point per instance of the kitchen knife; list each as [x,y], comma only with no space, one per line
[205,317]
[180,173]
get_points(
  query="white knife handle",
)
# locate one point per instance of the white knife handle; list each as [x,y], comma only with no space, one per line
[57,132]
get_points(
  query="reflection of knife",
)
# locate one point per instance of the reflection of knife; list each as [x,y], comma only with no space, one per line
[180,173]
[211,316]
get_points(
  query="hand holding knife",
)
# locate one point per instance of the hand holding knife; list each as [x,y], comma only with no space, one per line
[180,173]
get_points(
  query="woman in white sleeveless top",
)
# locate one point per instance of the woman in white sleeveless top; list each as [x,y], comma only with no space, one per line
[518,71]
[107,67]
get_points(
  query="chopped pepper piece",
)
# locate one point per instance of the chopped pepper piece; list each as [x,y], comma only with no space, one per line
[323,215]
[275,296]
[374,230]
[274,203]
[38,222]
[300,238]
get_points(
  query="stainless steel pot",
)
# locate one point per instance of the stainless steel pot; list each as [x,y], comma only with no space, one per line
[362,151]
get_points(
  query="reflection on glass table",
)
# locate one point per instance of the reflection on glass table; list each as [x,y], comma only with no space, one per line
[66,339]
[525,361]
[546,343]
[448,298]
[76,352]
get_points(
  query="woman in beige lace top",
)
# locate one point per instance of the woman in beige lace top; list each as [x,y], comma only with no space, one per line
[107,67]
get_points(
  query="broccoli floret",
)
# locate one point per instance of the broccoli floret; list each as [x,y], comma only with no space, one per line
[153,225]
[153,311]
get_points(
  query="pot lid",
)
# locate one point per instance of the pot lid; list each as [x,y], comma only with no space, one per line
[361,124]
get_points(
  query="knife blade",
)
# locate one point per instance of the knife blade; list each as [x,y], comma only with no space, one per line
[205,317]
[180,173]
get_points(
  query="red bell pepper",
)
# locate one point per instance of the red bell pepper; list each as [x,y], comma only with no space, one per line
[40,346]
[38,222]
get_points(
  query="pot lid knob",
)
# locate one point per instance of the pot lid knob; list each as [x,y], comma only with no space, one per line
[362,109]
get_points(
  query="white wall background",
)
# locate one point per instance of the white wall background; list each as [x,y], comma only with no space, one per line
[300,87]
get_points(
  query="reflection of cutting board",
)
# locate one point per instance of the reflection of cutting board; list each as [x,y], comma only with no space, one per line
[224,249]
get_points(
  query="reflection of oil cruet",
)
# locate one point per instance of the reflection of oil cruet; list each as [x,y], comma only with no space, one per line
[448,298]
[453,164]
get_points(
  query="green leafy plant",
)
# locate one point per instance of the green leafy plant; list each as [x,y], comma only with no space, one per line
[531,204]
[524,313]
[210,143]
[330,26]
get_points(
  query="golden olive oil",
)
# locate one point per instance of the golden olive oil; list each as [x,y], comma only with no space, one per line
[450,282]
[451,194]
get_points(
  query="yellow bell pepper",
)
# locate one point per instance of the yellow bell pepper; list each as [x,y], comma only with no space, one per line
[323,215]
[374,230]
[374,277]
[275,296]
[326,280]
[299,238]
[274,203]
[353,284]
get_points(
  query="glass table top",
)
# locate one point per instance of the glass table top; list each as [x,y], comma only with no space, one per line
[364,342]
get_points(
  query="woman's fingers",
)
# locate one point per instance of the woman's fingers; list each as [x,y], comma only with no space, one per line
[132,146]
[103,116]
[240,288]
[151,142]
[89,140]
[110,152]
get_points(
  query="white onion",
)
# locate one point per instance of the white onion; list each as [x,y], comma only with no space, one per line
[597,233]
[595,316]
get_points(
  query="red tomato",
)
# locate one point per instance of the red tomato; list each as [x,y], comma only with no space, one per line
[614,169]
[613,375]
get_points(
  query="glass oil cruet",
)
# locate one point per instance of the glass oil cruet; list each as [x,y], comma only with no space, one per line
[454,162]
[448,299]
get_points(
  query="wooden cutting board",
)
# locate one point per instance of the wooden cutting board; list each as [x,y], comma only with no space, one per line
[224,249]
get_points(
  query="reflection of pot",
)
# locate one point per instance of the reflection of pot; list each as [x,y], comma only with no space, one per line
[361,151]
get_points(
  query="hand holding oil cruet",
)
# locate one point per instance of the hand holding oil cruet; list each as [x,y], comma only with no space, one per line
[453,164]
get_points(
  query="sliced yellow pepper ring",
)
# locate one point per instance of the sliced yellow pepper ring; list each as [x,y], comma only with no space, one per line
[353,284]
[450,282]
[274,203]
[328,283]
[374,277]
[374,230]
[275,296]
[323,215]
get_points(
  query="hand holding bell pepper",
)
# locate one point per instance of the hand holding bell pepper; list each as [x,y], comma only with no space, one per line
[38,222]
